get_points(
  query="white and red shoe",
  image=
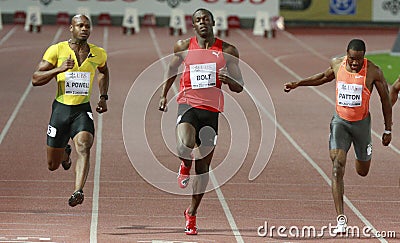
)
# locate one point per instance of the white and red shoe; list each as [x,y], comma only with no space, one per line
[183,175]
[190,228]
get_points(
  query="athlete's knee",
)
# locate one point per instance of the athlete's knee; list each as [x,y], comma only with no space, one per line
[363,173]
[362,167]
[338,164]
[337,171]
[52,166]
[185,147]
[83,146]
[202,168]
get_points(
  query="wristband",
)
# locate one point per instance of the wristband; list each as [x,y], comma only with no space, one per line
[387,132]
[104,96]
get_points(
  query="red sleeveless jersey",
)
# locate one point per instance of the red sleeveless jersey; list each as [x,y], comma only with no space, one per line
[200,86]
[352,95]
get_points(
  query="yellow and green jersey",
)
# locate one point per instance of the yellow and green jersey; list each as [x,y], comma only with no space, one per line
[75,85]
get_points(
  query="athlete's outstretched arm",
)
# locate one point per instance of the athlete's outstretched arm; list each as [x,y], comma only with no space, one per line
[314,80]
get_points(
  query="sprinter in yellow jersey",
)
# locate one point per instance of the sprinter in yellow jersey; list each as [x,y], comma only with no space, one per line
[73,64]
[351,123]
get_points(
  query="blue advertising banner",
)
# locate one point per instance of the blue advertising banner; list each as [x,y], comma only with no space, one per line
[342,7]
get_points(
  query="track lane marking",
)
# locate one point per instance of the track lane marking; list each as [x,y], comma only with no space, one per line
[96,180]
[26,92]
[8,35]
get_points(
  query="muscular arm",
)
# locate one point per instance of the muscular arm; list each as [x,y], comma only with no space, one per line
[314,80]
[103,79]
[232,76]
[394,91]
[382,88]
[46,71]
[317,79]
[172,71]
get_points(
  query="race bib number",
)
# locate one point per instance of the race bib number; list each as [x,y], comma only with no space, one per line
[349,95]
[77,83]
[51,131]
[203,75]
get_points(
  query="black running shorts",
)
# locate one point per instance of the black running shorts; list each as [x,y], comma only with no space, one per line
[205,122]
[66,121]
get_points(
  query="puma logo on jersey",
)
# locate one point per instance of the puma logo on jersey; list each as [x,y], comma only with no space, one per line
[216,53]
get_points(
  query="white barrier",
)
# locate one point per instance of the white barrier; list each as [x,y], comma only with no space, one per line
[262,24]
[177,22]
[130,22]
[33,21]
[244,9]
[221,22]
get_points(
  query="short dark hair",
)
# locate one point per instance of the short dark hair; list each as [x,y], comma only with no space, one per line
[204,10]
[356,45]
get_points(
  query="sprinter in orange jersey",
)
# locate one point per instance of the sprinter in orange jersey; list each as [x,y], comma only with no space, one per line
[355,78]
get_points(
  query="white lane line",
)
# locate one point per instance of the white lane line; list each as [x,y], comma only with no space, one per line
[96,179]
[23,97]
[225,207]
[160,55]
[8,35]
[15,112]
[294,143]
[220,195]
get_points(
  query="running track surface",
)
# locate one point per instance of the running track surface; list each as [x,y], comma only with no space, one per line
[293,190]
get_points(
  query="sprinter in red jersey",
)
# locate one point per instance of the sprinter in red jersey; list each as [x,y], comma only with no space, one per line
[355,78]
[208,63]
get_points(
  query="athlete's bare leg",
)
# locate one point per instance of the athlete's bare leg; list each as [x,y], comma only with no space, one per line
[200,182]
[83,143]
[338,157]
[186,141]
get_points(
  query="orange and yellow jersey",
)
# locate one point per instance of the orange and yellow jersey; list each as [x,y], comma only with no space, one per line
[75,85]
[200,86]
[352,95]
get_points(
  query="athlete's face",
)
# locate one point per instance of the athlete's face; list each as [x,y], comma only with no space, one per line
[203,23]
[80,27]
[355,60]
